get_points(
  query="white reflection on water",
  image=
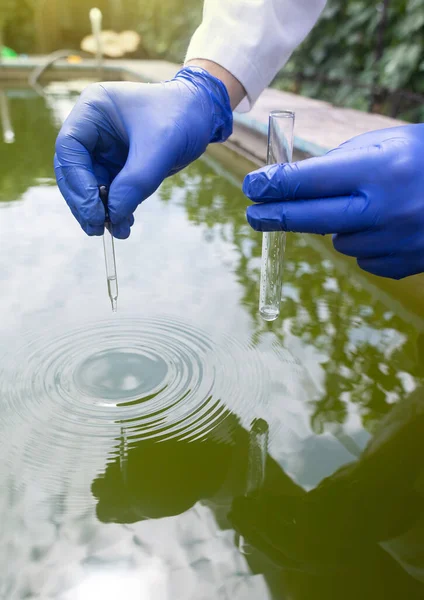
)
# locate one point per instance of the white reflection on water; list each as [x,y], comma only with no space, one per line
[148,583]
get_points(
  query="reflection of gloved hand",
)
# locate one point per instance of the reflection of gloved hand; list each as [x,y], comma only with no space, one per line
[161,479]
[300,534]
[135,135]
[338,525]
[369,191]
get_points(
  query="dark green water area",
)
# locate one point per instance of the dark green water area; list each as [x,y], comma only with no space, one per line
[128,441]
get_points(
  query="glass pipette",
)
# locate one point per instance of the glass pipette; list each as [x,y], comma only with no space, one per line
[109,248]
[280,150]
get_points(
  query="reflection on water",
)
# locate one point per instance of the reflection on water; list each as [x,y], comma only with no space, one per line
[126,441]
[364,522]
[28,160]
[114,374]
[157,378]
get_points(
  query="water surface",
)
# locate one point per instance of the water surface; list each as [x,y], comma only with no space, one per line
[125,437]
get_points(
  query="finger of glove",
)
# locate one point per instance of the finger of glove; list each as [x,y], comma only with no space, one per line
[101,174]
[248,519]
[80,185]
[382,242]
[393,267]
[335,174]
[86,227]
[121,230]
[146,167]
[366,244]
[327,215]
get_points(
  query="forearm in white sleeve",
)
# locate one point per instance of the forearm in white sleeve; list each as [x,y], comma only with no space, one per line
[253,39]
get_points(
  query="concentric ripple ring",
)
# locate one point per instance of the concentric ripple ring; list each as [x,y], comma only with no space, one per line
[157,378]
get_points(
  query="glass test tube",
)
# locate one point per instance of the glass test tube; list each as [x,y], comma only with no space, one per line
[109,248]
[258,450]
[280,150]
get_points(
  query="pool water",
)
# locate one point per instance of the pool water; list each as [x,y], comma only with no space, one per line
[125,438]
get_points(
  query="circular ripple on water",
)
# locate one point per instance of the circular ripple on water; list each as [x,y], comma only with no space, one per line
[155,378]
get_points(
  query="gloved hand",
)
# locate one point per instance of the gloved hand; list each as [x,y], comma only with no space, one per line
[131,136]
[369,192]
[335,526]
[301,534]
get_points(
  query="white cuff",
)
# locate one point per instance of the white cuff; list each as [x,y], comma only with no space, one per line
[252,39]
[211,47]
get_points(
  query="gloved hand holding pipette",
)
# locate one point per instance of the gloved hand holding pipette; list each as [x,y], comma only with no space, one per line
[130,136]
[369,192]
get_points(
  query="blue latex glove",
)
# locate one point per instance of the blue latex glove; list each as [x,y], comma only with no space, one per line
[130,136]
[369,192]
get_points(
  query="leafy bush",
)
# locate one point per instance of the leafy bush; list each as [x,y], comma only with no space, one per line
[166,26]
[371,49]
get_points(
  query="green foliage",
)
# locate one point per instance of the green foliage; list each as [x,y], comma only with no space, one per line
[165,26]
[344,47]
[16,24]
[6,8]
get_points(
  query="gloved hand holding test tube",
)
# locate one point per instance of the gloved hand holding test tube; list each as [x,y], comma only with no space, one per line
[109,249]
[280,150]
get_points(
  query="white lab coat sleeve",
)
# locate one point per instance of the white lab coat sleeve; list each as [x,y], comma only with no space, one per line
[253,39]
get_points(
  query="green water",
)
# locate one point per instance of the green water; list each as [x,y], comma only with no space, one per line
[126,438]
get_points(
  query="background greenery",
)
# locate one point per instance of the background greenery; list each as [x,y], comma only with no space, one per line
[46,25]
[366,54]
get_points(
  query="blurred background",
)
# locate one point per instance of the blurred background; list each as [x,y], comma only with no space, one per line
[363,54]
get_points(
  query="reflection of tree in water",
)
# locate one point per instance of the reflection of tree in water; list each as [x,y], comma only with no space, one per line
[31,156]
[369,353]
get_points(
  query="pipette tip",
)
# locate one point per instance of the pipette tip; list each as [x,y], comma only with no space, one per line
[114,306]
